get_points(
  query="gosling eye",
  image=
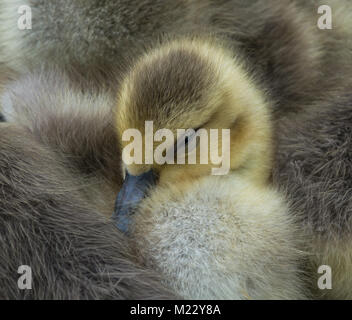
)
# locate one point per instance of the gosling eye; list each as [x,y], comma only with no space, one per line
[189,138]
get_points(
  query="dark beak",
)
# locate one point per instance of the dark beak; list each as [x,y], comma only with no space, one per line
[133,190]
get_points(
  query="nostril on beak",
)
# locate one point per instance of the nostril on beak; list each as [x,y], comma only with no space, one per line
[133,191]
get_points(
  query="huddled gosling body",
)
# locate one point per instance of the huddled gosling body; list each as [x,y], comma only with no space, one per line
[301,65]
[212,237]
[281,39]
[59,175]
[226,238]
[313,164]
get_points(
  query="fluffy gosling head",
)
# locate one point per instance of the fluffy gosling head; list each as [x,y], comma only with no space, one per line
[195,84]
[192,84]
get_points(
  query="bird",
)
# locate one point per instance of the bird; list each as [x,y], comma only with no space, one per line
[59,175]
[313,167]
[203,231]
[304,70]
[280,39]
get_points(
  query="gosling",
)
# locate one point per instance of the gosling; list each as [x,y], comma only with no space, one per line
[211,236]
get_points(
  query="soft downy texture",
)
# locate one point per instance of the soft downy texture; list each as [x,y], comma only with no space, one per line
[313,166]
[67,123]
[76,123]
[224,238]
[296,60]
[54,186]
[301,67]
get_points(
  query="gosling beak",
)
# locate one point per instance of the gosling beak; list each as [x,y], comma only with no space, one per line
[133,190]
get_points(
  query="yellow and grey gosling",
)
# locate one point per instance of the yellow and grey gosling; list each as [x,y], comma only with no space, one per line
[212,237]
